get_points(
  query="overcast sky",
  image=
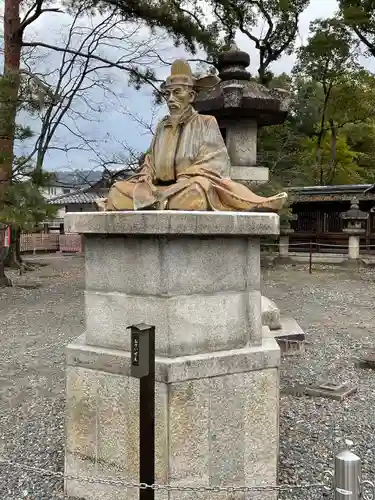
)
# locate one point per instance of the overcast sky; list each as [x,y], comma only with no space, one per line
[111,125]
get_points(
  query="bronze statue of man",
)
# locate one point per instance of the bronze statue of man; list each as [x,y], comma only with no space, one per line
[187,166]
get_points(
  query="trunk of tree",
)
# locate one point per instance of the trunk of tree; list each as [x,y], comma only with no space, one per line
[318,153]
[11,85]
[14,258]
[333,150]
[8,99]
[4,280]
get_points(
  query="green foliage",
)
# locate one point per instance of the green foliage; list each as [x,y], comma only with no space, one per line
[328,137]
[211,25]
[341,129]
[344,170]
[24,206]
[279,18]
[21,203]
[279,149]
[361,138]
[359,17]
[328,54]
[184,28]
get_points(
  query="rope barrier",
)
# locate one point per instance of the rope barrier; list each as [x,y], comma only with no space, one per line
[328,245]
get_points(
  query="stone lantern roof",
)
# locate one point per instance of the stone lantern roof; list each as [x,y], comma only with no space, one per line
[354,213]
[236,96]
[354,218]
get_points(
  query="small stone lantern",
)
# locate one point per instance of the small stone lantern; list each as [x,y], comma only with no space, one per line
[354,225]
[285,231]
[240,106]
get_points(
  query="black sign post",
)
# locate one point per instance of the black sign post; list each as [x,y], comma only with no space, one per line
[143,367]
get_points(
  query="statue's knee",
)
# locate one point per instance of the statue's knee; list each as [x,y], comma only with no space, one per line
[191,198]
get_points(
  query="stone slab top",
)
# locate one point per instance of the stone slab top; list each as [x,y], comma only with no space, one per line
[180,369]
[164,222]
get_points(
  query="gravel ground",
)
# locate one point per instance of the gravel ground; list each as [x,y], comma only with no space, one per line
[334,306]
[35,326]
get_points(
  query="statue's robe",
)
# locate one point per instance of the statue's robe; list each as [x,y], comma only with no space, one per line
[188,165]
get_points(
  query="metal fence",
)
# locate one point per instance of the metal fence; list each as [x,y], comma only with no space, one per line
[345,482]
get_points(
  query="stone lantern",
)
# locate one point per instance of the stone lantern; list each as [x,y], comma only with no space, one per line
[241,106]
[285,231]
[354,225]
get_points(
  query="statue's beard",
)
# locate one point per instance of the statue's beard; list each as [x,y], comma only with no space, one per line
[176,110]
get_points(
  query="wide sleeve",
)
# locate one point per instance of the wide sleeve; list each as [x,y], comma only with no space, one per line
[148,166]
[212,152]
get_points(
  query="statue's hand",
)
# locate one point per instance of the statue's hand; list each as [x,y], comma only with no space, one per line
[146,178]
[144,193]
[143,177]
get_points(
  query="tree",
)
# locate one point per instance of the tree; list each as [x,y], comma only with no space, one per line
[74,80]
[359,17]
[179,23]
[14,29]
[179,26]
[343,91]
[289,150]
[361,139]
[279,147]
[278,20]
[24,207]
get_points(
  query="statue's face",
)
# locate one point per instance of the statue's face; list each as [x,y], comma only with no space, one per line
[178,98]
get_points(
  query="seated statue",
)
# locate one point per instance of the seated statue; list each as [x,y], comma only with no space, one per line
[187,166]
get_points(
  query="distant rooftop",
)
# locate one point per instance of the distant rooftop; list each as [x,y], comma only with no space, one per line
[82,178]
[343,192]
[75,198]
[76,178]
[353,188]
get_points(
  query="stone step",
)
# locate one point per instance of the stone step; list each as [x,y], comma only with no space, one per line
[290,337]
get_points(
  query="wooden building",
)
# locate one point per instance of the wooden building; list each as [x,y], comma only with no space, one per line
[319,208]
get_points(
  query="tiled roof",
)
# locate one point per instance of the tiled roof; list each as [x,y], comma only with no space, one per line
[77,178]
[79,197]
[85,178]
[342,188]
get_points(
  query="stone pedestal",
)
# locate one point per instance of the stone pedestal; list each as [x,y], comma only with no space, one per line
[241,141]
[196,277]
[353,247]
[284,246]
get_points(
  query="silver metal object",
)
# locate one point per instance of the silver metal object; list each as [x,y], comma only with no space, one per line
[345,482]
[327,480]
[368,490]
[347,476]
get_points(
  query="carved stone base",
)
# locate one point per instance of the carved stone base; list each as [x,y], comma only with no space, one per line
[195,276]
[216,421]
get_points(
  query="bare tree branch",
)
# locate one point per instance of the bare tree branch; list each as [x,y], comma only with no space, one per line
[34,12]
[83,69]
[114,64]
